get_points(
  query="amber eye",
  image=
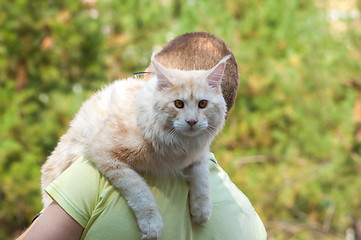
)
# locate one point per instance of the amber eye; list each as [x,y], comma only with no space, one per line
[179,103]
[202,103]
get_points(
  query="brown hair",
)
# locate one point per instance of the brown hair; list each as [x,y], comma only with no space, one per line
[200,50]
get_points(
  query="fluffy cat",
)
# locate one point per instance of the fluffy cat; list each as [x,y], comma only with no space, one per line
[164,126]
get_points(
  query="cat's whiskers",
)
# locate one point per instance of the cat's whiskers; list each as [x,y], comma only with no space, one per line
[209,131]
[173,132]
[212,127]
[211,134]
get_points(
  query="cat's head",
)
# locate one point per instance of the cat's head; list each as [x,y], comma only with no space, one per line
[190,103]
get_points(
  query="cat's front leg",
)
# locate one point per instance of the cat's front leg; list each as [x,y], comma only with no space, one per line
[200,203]
[137,194]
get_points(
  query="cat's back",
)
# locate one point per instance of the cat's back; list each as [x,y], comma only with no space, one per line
[118,97]
[115,103]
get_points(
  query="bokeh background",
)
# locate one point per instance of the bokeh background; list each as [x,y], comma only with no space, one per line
[292,142]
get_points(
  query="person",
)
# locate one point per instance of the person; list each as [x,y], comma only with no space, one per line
[86,206]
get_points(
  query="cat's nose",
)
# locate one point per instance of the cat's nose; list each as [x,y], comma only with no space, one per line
[191,122]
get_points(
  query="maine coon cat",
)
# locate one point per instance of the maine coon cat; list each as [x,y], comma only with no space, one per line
[164,126]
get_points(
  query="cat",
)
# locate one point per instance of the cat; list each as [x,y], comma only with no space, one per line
[164,126]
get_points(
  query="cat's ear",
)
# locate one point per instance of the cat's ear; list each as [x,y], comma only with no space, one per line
[215,75]
[161,73]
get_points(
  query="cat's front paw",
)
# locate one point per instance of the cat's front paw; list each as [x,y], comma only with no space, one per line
[200,208]
[151,226]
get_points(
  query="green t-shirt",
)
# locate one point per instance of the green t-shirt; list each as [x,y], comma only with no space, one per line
[98,207]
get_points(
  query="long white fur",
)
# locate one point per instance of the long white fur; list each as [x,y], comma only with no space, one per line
[129,127]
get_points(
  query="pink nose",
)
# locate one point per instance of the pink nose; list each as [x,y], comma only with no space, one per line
[191,122]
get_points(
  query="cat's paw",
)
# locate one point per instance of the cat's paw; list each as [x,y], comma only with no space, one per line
[151,226]
[200,208]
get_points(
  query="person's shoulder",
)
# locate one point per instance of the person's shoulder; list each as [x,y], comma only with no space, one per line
[233,214]
[225,190]
[80,174]
[76,190]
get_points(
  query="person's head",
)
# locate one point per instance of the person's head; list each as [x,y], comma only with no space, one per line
[197,51]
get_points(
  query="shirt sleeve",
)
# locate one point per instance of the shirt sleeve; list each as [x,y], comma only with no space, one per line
[76,190]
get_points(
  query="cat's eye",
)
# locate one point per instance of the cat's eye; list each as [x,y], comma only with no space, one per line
[202,103]
[179,103]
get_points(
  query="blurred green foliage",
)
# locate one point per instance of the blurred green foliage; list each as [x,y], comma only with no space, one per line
[291,140]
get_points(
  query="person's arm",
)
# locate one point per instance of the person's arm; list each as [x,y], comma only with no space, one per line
[54,223]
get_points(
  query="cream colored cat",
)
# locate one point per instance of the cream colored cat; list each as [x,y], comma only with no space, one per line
[164,126]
